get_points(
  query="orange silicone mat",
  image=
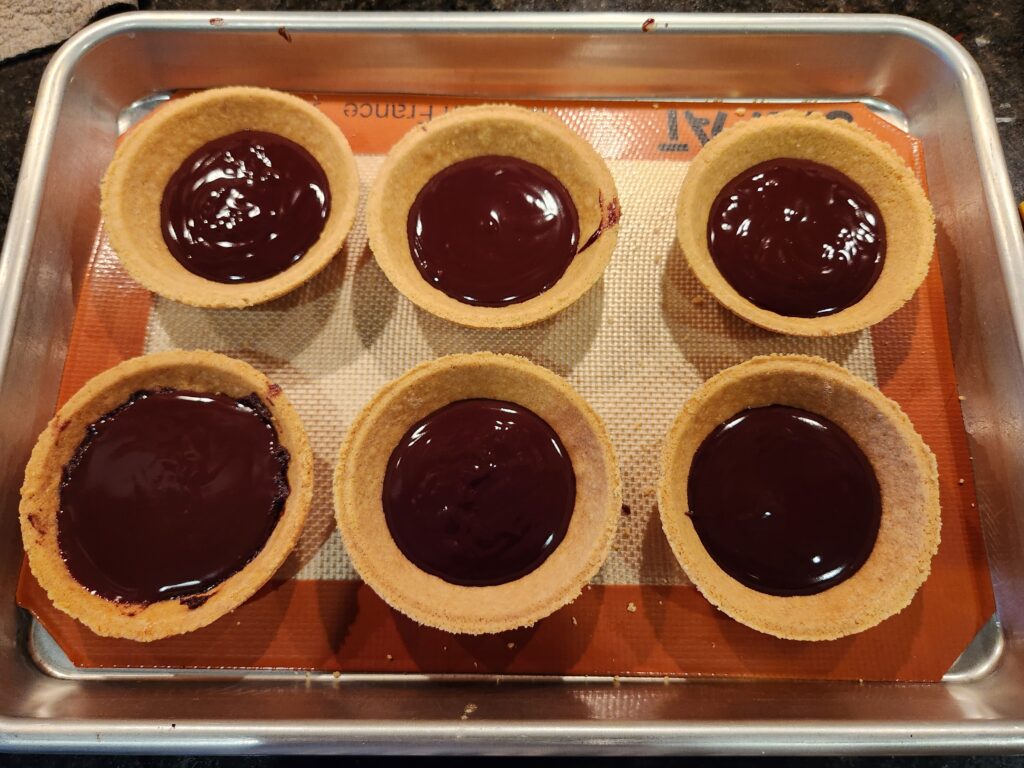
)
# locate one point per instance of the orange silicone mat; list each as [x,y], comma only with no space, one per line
[635,346]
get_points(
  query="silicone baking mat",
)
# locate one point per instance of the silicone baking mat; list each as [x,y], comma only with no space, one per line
[636,346]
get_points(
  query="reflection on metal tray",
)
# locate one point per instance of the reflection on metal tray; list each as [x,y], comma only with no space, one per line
[915,75]
[977,660]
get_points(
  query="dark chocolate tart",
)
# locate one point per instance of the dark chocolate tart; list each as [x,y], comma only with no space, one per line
[799,499]
[804,225]
[230,197]
[493,216]
[165,493]
[477,493]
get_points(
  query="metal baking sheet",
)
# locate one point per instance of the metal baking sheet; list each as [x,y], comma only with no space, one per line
[909,70]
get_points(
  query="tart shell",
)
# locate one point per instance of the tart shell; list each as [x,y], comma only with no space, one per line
[492,130]
[874,165]
[427,599]
[40,493]
[134,184]
[908,535]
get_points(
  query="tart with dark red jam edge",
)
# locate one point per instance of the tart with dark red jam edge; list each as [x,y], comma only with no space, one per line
[165,493]
[477,493]
[804,225]
[799,499]
[230,197]
[493,216]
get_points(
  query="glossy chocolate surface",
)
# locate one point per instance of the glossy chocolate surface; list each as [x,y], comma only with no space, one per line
[493,230]
[784,501]
[170,494]
[244,207]
[480,492]
[797,238]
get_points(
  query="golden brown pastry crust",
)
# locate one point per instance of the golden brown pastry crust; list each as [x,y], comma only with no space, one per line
[150,153]
[492,130]
[905,467]
[40,493]
[359,479]
[874,165]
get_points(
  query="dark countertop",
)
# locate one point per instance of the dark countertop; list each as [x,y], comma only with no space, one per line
[992,32]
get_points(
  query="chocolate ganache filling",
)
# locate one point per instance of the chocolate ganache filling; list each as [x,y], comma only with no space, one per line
[170,494]
[480,492]
[784,501]
[244,207]
[493,230]
[797,238]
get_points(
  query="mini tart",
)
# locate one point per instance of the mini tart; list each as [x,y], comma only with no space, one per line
[492,130]
[904,466]
[874,165]
[427,599]
[150,153]
[40,494]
